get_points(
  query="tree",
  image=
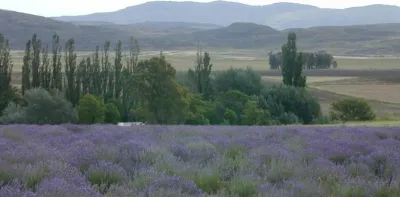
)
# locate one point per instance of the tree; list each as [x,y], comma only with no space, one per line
[201,75]
[111,114]
[26,68]
[6,69]
[91,110]
[246,81]
[118,70]
[285,101]
[36,49]
[56,78]
[70,72]
[352,110]
[45,70]
[163,100]
[292,64]
[253,115]
[235,101]
[42,107]
[275,60]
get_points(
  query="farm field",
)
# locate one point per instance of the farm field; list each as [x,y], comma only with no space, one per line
[258,60]
[224,161]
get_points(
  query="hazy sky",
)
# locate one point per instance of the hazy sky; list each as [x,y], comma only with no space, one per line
[77,7]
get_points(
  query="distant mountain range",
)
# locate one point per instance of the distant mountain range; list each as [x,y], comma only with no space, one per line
[378,39]
[223,13]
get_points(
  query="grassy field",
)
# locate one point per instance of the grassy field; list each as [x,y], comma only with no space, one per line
[258,60]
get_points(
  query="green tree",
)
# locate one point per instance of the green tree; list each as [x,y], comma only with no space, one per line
[91,110]
[118,70]
[352,110]
[201,75]
[234,100]
[243,80]
[6,69]
[70,72]
[111,114]
[275,60]
[292,63]
[162,98]
[283,101]
[45,70]
[26,68]
[56,77]
[42,107]
[253,115]
[230,117]
[36,49]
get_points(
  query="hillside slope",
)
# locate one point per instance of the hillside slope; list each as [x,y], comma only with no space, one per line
[380,39]
[279,15]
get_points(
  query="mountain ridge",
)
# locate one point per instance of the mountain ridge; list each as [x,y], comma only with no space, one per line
[280,16]
[340,40]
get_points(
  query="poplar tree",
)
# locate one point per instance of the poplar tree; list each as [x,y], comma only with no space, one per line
[26,68]
[6,68]
[45,70]
[105,68]
[36,48]
[201,75]
[292,64]
[70,72]
[56,78]
[95,72]
[118,70]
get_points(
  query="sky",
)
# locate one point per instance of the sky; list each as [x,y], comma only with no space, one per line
[80,7]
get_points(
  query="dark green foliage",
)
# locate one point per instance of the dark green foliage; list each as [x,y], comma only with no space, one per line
[27,68]
[230,117]
[111,114]
[45,70]
[6,68]
[56,78]
[315,60]
[36,49]
[70,72]
[162,97]
[246,81]
[285,101]
[118,69]
[42,107]
[200,76]
[275,60]
[91,110]
[292,63]
[352,110]
[253,115]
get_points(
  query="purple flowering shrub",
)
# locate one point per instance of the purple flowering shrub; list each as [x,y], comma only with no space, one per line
[219,161]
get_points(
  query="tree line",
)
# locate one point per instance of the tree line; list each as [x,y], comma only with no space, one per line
[106,87]
[311,60]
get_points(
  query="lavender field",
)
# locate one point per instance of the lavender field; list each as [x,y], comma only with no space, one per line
[177,161]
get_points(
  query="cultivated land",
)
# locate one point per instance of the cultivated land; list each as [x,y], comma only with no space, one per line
[178,161]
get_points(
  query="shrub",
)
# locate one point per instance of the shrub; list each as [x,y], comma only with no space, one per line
[42,107]
[246,81]
[91,110]
[283,101]
[112,114]
[352,110]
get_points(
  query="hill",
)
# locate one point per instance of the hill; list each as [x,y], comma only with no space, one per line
[380,39]
[278,15]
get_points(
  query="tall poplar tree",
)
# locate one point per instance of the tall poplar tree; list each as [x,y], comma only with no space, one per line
[56,78]
[26,68]
[36,48]
[6,68]
[292,64]
[70,72]
[45,70]
[118,69]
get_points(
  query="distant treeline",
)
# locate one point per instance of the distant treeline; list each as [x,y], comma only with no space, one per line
[315,60]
